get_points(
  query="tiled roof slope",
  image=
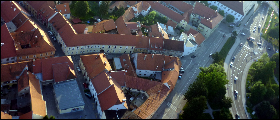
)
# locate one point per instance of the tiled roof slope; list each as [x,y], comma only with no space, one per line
[142,42]
[211,23]
[8,49]
[62,72]
[171,77]
[47,11]
[67,32]
[139,83]
[26,115]
[166,11]
[198,36]
[153,62]
[37,5]
[234,5]
[121,27]
[104,25]
[182,6]
[23,81]
[156,43]
[94,64]
[20,19]
[5,115]
[65,9]
[126,64]
[9,10]
[157,95]
[128,14]
[101,82]
[173,45]
[58,21]
[11,70]
[79,28]
[119,77]
[171,23]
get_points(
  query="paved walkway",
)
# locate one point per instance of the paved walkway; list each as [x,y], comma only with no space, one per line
[209,110]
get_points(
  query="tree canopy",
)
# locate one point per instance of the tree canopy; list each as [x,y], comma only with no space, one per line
[265,110]
[214,7]
[80,9]
[257,92]
[196,89]
[103,8]
[222,13]
[230,18]
[194,108]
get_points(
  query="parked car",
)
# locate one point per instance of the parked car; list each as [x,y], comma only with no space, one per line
[85,85]
[259,43]
[79,70]
[259,26]
[181,68]
[262,17]
[193,56]
[254,30]
[53,38]
[255,27]
[182,71]
[237,116]
[233,57]
[235,93]
[231,63]
[268,48]
[241,44]
[88,95]
[231,25]
[180,76]
[242,33]
[210,55]
[50,32]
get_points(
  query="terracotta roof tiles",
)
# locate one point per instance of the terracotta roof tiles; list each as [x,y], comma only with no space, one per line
[153,62]
[104,25]
[121,27]
[58,21]
[182,6]
[171,23]
[126,64]
[8,49]
[143,42]
[198,36]
[79,28]
[62,72]
[234,5]
[173,45]
[119,77]
[23,81]
[11,70]
[26,115]
[156,43]
[9,10]
[19,19]
[5,115]
[64,8]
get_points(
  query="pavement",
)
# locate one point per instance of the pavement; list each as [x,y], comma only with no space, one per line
[209,110]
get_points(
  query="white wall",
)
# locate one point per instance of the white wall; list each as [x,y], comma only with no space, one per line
[189,50]
[118,107]
[147,72]
[67,16]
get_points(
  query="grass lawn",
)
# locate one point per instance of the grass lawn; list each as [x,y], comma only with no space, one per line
[274,21]
[227,46]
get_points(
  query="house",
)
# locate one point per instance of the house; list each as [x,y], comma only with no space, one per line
[205,19]
[177,6]
[46,70]
[56,22]
[68,96]
[133,26]
[173,47]
[32,43]
[121,26]
[41,10]
[127,65]
[11,72]
[80,28]
[141,7]
[64,9]
[104,26]
[170,27]
[238,9]
[192,39]
[142,44]
[155,45]
[67,32]
[8,50]
[118,5]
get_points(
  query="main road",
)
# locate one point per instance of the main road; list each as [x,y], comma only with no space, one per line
[249,52]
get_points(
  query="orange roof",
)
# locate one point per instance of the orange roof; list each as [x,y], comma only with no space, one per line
[155,31]
[67,32]
[143,42]
[166,11]
[212,22]
[173,45]
[47,11]
[45,66]
[142,5]
[156,43]
[182,6]
[153,62]
[58,21]
[38,105]
[157,95]
[19,19]
[94,64]
[119,77]
[79,28]
[132,25]
[198,36]
[8,49]
[121,27]
[5,115]
[126,64]
[26,115]
[63,72]
[139,83]
[128,14]
[9,10]
[11,70]
[171,23]
[23,81]
[171,77]
[37,5]
[104,25]
[101,82]
[63,8]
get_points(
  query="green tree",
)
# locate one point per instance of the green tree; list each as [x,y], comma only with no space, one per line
[230,18]
[194,108]
[205,3]
[214,7]
[275,57]
[265,110]
[217,57]
[226,101]
[151,18]
[275,87]
[222,13]
[181,31]
[103,8]
[234,34]
[274,32]
[80,9]
[52,117]
[270,93]
[225,114]
[46,117]
[196,89]
[257,93]
[120,12]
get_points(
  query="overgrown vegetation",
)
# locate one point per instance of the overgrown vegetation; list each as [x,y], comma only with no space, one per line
[260,88]
[150,19]
[272,33]
[230,18]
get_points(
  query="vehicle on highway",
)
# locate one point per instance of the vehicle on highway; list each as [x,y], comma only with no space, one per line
[231,25]
[259,43]
[231,63]
[241,44]
[235,78]
[79,70]
[254,30]
[182,71]
[235,93]
[259,26]
[50,32]
[181,68]
[85,85]
[233,57]
[262,17]
[242,33]
[268,48]
[193,56]
[255,27]
[88,95]
[53,38]
[180,76]
[210,55]
[237,116]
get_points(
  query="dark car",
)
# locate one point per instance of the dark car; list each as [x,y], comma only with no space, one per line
[235,93]
[180,76]
[237,116]
[88,95]
[233,57]
[182,71]
[248,38]
[85,85]
[193,56]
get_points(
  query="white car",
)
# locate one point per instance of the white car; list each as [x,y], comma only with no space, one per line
[242,33]
[231,25]
[254,30]
[255,27]
[259,43]
[259,25]
[235,78]
[231,63]
[235,93]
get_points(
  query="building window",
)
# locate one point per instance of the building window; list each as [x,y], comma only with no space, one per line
[139,74]
[69,48]
[26,56]
[34,56]
[93,50]
[126,47]
[97,46]
[91,46]
[46,53]
[113,50]
[236,19]
[120,47]
[228,10]
[131,47]
[77,48]
[73,48]
[90,50]
[115,47]
[109,46]
[7,59]
[144,74]
[102,46]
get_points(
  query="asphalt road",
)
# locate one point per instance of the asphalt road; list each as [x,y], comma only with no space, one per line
[250,51]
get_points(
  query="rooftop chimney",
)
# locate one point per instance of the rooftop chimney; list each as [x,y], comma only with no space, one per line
[145,57]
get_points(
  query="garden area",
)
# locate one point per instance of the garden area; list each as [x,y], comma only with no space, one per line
[270,31]
[261,90]
[150,19]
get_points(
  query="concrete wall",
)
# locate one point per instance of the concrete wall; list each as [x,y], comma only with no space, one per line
[35,56]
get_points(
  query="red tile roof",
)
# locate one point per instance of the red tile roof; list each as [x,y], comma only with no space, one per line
[5,115]
[94,64]
[58,21]
[166,11]
[79,28]
[173,45]
[121,27]
[153,62]
[26,115]
[9,10]
[143,42]
[132,25]
[198,36]
[171,23]
[154,31]
[142,5]
[63,72]
[119,4]
[8,49]
[171,77]
[11,70]
[119,77]
[23,81]
[212,22]
[139,83]
[156,43]
[47,11]
[45,66]
[64,8]
[76,20]
[131,3]
[182,6]
[19,19]
[104,25]
[126,65]
[37,5]
[101,82]
[234,5]
[67,32]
